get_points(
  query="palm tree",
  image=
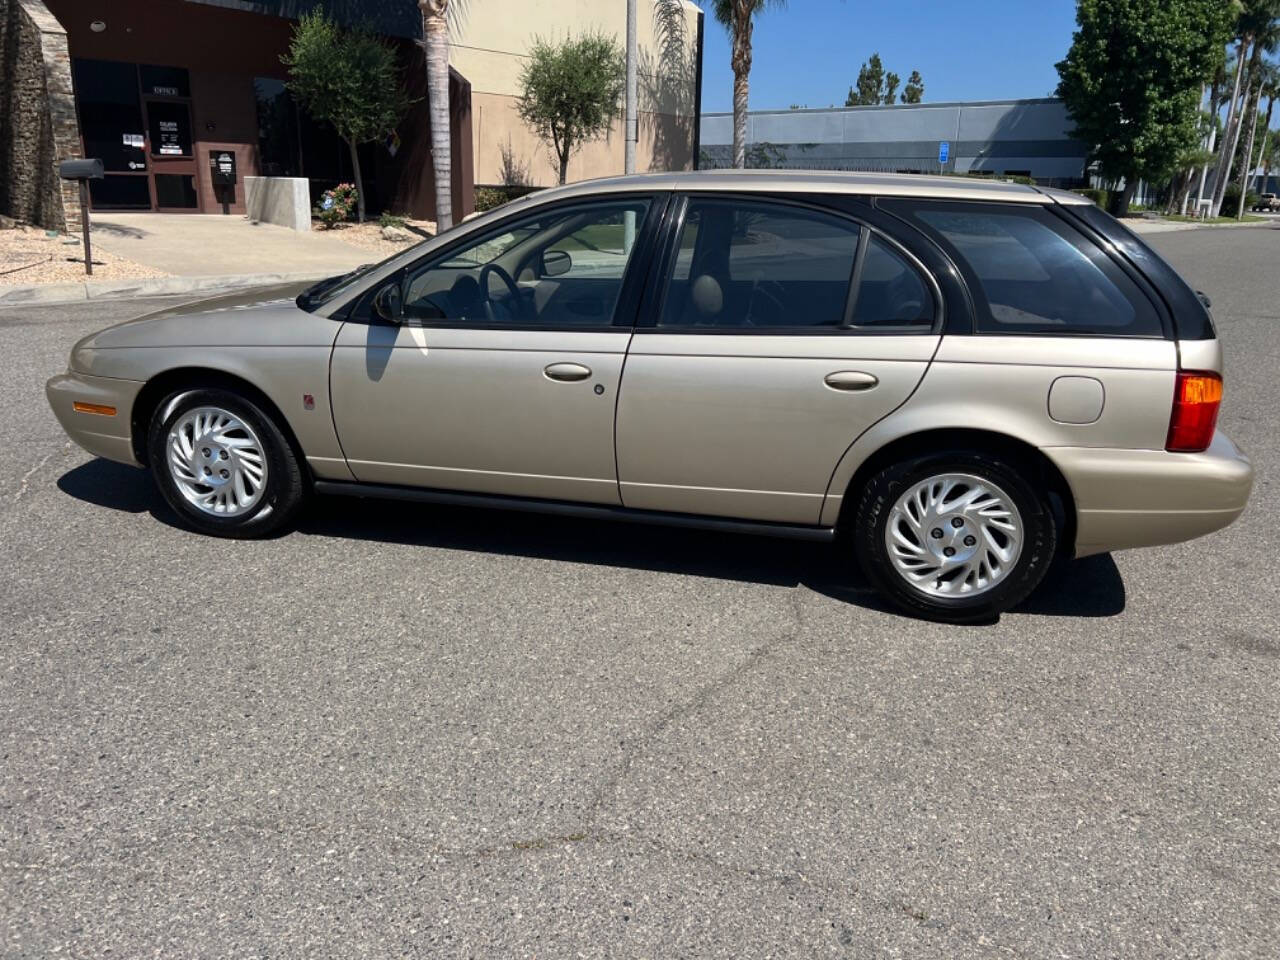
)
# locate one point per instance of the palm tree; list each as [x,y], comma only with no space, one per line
[1266,39]
[437,17]
[737,17]
[1256,18]
[1270,90]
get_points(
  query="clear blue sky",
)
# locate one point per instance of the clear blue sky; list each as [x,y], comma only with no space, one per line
[809,52]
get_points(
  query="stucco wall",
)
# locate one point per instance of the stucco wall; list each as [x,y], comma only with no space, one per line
[490,49]
[37,117]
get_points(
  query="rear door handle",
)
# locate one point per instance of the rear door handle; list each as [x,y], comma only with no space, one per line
[850,380]
[566,372]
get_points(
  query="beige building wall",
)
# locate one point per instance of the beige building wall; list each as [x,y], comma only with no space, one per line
[490,49]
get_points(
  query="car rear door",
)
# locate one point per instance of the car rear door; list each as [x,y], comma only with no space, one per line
[778,331]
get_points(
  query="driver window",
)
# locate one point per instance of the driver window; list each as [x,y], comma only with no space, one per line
[744,265]
[560,268]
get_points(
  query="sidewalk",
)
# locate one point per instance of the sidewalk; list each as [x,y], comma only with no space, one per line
[203,245]
[157,254]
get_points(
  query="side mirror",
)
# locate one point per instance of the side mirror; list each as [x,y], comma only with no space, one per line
[556,263]
[388,303]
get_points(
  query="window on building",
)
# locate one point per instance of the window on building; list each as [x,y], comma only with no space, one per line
[278,142]
[165,81]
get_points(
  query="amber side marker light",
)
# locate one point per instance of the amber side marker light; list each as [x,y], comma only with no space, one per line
[101,409]
[1197,397]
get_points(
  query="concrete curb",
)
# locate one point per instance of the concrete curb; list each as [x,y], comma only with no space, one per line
[48,293]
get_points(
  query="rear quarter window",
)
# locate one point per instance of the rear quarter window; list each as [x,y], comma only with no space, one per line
[1031,273]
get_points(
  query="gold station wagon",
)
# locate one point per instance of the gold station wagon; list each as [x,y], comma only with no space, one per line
[965,378]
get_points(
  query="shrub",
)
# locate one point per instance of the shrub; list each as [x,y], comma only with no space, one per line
[336,205]
[489,197]
[1101,198]
[391,220]
[1231,200]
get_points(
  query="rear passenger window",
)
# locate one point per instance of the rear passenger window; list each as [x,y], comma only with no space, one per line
[890,291]
[754,265]
[1031,273]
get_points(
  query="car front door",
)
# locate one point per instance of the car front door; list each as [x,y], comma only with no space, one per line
[502,373]
[779,333]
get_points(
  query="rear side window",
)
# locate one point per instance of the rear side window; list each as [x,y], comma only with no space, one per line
[760,265]
[769,266]
[1031,273]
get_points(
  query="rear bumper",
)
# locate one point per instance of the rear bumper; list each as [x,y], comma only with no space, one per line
[1144,498]
[108,436]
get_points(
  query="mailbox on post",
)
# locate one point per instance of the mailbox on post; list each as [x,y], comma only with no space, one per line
[222,168]
[83,171]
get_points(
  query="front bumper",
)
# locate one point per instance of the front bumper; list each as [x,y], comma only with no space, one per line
[1144,498]
[108,436]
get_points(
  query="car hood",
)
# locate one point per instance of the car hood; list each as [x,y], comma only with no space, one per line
[263,317]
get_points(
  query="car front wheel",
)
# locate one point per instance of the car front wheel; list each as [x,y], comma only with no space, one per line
[956,537]
[223,464]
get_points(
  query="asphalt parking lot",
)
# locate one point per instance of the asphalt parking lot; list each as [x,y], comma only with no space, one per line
[415,731]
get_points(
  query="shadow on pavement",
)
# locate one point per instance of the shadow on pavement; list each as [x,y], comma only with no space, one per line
[116,229]
[1085,588]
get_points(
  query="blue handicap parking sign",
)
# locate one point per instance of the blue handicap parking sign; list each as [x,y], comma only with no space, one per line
[944,151]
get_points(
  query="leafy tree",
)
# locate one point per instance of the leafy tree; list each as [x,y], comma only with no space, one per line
[570,91]
[437,17]
[1132,82]
[913,92]
[347,79]
[891,83]
[738,17]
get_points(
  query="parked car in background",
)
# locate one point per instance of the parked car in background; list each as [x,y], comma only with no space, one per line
[1267,203]
[960,379]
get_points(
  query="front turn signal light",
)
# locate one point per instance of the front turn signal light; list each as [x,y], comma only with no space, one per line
[1197,397]
[101,409]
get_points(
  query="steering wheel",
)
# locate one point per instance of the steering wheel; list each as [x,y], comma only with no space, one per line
[519,308]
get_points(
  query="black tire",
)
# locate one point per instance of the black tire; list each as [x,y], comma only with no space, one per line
[876,502]
[286,485]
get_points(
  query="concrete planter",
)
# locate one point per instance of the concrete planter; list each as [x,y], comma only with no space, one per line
[281,200]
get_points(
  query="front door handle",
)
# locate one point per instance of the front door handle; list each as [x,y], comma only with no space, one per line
[566,372]
[850,380]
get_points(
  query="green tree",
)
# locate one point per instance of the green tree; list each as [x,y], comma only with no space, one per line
[738,17]
[347,79]
[871,82]
[891,83]
[1132,81]
[570,91]
[913,92]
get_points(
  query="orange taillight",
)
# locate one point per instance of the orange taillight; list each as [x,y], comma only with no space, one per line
[1197,397]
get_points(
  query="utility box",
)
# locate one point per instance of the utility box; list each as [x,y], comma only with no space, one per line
[222,171]
[222,165]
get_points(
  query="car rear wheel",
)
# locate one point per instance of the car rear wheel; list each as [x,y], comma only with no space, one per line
[957,537]
[223,464]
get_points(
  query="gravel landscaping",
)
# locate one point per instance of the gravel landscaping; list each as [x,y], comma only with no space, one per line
[28,255]
[372,236]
